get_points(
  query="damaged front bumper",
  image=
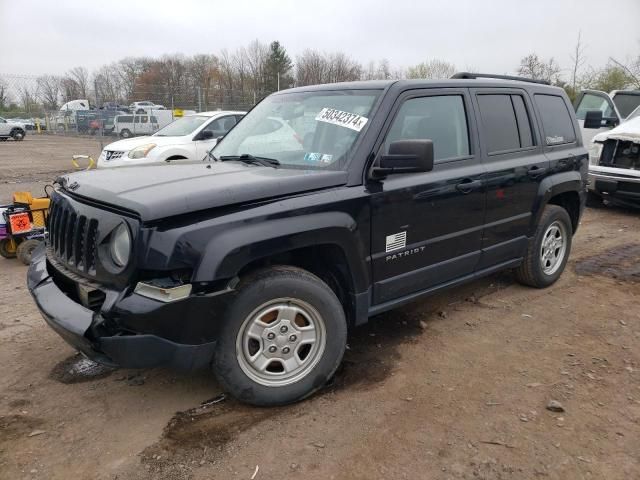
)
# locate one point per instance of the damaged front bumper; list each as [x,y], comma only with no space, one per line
[615,183]
[128,330]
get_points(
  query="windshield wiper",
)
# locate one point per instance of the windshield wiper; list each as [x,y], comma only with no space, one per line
[248,158]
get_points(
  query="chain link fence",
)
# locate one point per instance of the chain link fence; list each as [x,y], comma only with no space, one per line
[46,106]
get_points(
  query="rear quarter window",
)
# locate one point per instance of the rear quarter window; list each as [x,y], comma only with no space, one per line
[556,120]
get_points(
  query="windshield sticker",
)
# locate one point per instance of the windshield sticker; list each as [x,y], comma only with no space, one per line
[318,157]
[312,157]
[343,119]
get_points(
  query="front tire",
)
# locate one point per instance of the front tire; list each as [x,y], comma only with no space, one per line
[548,251]
[17,135]
[125,133]
[283,337]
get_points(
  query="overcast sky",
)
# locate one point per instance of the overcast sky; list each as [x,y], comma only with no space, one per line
[45,36]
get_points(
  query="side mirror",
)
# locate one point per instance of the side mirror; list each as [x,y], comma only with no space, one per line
[593,119]
[205,135]
[406,156]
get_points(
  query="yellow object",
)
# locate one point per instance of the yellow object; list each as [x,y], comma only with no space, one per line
[38,206]
[178,112]
[13,246]
[91,162]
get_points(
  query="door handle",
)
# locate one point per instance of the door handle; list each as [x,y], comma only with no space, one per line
[536,171]
[468,185]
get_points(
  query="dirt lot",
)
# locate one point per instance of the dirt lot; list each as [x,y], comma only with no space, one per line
[454,387]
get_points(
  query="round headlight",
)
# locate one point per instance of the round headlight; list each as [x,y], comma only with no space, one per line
[120,246]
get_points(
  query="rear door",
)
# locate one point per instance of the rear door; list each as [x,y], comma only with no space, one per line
[427,226]
[515,162]
[596,100]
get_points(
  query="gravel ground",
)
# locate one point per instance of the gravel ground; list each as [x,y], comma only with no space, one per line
[453,387]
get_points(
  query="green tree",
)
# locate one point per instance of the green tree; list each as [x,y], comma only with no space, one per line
[611,77]
[278,68]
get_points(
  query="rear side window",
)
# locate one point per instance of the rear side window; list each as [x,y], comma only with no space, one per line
[441,119]
[505,122]
[556,120]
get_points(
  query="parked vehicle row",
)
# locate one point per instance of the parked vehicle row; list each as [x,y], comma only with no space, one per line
[324,206]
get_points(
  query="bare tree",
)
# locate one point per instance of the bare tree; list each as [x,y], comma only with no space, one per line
[432,69]
[313,67]
[129,71]
[49,90]
[4,95]
[257,54]
[532,66]
[578,59]
[80,76]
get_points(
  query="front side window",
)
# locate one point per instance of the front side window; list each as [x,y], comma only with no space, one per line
[311,130]
[221,126]
[182,126]
[589,101]
[556,121]
[441,119]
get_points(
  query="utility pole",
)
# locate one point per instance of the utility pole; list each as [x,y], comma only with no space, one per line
[199,100]
[278,81]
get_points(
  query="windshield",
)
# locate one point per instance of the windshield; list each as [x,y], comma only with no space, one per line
[182,126]
[626,102]
[634,114]
[316,130]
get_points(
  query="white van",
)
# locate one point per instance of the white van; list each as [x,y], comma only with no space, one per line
[126,126]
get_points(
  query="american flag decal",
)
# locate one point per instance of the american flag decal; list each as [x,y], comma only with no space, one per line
[396,241]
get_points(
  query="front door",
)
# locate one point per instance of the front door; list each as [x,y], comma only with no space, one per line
[427,227]
[4,127]
[595,100]
[219,127]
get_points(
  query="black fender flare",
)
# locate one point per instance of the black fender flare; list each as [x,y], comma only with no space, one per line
[553,185]
[227,253]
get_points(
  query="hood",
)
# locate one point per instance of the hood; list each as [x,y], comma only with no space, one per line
[160,191]
[629,131]
[131,143]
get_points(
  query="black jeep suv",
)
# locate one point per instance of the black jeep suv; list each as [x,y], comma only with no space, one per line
[324,206]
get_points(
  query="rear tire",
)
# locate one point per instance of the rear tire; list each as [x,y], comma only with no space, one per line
[25,250]
[548,250]
[7,248]
[283,337]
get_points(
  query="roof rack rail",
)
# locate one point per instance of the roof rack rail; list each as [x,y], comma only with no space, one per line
[473,76]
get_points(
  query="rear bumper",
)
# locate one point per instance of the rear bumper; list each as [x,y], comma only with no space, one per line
[78,326]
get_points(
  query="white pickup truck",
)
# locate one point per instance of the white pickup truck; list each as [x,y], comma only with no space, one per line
[11,129]
[610,126]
